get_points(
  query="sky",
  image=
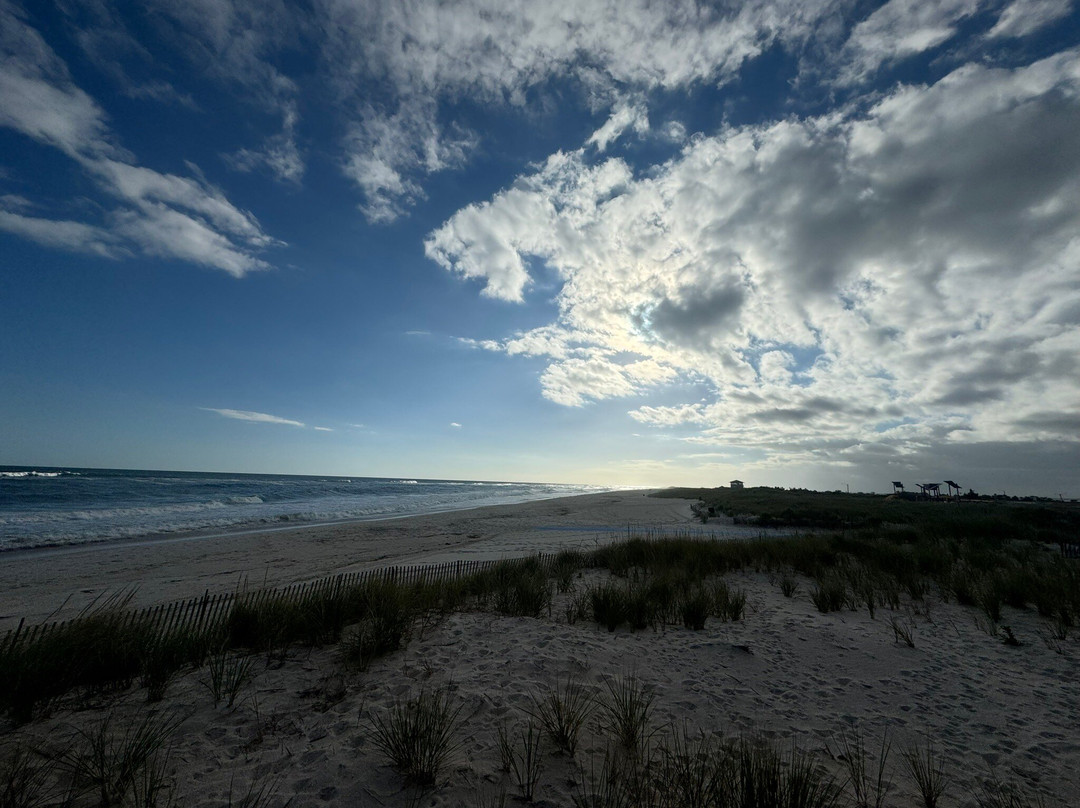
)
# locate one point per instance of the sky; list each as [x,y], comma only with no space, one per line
[825,245]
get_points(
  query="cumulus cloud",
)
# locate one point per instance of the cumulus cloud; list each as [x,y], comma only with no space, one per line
[257,417]
[870,283]
[159,214]
[425,55]
[399,72]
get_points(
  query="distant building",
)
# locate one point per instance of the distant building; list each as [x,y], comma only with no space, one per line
[736,483]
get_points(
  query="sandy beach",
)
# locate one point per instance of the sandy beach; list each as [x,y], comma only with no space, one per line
[300,731]
[57,583]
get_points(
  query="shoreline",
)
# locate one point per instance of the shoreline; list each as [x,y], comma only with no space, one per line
[57,583]
[253,528]
[785,670]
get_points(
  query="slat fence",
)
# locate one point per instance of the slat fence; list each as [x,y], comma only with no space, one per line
[208,610]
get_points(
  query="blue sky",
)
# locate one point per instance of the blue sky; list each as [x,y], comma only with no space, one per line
[621,243]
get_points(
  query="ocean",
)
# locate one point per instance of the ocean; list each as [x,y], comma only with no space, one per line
[49,507]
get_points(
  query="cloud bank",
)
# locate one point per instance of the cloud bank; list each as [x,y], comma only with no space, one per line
[865,286]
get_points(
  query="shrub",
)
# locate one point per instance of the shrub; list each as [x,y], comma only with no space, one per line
[903,630]
[694,771]
[626,713]
[788,586]
[25,779]
[418,735]
[867,782]
[728,604]
[609,605]
[115,764]
[567,564]
[526,759]
[562,711]
[830,594]
[989,595]
[927,769]
[695,608]
[641,610]
[521,588]
[227,674]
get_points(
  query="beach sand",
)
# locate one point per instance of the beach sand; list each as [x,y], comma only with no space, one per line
[57,582]
[785,671]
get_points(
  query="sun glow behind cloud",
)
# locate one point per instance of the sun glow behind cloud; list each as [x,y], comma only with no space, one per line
[769,234]
[912,245]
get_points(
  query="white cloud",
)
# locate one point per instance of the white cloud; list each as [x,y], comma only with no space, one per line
[257,417]
[455,425]
[1023,17]
[279,154]
[322,429]
[488,240]
[161,214]
[922,253]
[37,96]
[144,187]
[384,150]
[625,116]
[162,231]
[64,235]
[425,54]
[900,29]
[482,344]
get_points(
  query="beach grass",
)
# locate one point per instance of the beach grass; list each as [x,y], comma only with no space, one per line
[563,711]
[523,753]
[639,582]
[654,581]
[927,769]
[419,735]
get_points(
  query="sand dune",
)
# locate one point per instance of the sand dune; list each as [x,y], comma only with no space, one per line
[785,672]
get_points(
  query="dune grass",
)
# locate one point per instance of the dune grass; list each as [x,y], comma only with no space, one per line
[687,770]
[654,581]
[562,711]
[638,582]
[418,736]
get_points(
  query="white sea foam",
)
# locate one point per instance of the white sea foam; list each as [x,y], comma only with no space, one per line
[116,505]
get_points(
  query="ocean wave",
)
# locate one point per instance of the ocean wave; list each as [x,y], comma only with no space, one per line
[118,506]
[22,474]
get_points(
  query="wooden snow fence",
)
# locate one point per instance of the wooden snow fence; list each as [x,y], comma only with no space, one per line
[210,611]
